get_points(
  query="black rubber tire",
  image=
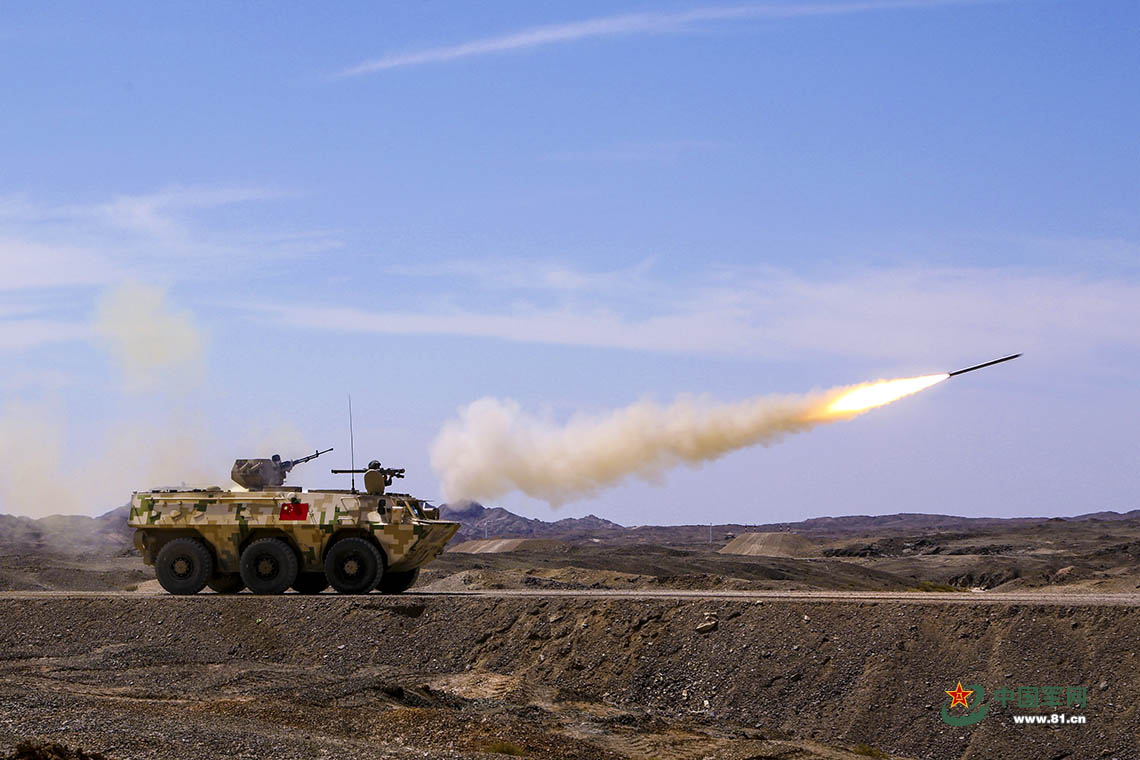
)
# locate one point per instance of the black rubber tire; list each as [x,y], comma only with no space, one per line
[354,566]
[226,583]
[268,566]
[397,583]
[310,583]
[183,566]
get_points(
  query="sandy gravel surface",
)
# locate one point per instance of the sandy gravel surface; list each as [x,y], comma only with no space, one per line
[553,676]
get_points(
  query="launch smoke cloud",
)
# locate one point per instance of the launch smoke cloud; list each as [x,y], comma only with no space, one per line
[494,447]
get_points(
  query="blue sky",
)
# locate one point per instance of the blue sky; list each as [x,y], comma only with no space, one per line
[577,206]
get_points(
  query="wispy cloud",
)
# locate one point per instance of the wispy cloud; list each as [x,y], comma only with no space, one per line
[21,334]
[30,264]
[880,314]
[501,274]
[628,25]
[167,234]
[160,212]
[56,256]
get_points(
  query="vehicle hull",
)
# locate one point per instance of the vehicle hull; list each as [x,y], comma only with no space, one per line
[309,520]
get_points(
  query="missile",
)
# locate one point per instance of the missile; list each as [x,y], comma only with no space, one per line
[984,364]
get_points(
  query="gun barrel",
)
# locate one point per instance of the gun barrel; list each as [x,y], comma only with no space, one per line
[311,457]
[391,472]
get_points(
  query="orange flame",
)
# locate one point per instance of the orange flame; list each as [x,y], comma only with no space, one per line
[872,395]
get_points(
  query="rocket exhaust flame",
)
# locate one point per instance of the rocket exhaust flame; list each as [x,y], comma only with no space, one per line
[494,447]
[872,395]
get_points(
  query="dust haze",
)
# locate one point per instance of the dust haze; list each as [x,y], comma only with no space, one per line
[153,341]
[44,471]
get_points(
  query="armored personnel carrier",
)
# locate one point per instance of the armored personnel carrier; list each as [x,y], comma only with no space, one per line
[269,537]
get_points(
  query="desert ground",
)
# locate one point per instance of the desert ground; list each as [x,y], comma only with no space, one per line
[588,640]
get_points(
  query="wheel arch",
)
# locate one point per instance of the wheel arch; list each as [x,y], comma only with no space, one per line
[259,533]
[152,541]
[357,533]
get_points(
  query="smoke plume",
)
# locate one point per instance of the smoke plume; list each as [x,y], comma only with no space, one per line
[44,470]
[152,340]
[494,447]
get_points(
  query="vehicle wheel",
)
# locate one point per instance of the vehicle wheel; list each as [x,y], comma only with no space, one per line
[268,566]
[226,583]
[353,566]
[310,583]
[184,565]
[398,583]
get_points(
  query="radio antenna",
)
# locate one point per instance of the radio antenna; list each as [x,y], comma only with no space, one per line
[351,445]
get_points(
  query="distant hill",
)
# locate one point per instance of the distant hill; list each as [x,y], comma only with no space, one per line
[1109,515]
[106,534]
[495,522]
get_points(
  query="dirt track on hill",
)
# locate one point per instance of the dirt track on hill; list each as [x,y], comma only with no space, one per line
[565,675]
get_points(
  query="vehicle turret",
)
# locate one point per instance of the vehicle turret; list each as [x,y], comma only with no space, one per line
[259,474]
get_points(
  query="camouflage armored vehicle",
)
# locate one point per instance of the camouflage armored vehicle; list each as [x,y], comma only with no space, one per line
[271,536]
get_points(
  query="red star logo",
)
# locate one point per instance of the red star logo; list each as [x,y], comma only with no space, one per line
[958,696]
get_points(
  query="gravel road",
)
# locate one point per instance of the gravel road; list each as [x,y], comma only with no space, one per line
[1043,597]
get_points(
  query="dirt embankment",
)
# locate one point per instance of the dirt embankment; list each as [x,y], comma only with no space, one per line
[554,678]
[52,572]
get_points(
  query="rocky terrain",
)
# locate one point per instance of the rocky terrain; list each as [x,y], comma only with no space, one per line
[95,662]
[475,677]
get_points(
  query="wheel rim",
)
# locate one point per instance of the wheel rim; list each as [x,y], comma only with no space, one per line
[182,567]
[351,568]
[266,568]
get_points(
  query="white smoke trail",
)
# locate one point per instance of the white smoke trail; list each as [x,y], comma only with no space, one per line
[494,447]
